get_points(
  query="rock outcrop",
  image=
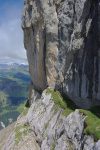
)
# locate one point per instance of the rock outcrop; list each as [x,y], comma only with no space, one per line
[62,42]
[45,127]
[61,38]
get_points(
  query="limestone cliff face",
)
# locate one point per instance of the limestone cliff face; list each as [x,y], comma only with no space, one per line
[62,42]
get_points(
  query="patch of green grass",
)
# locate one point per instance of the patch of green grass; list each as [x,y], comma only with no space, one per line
[53,146]
[57,98]
[25,111]
[22,109]
[60,101]
[20,132]
[92,124]
[93,115]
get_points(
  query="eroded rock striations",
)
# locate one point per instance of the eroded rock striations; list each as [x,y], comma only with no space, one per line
[62,42]
[63,47]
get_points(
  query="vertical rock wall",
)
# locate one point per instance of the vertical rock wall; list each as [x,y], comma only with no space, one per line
[62,42]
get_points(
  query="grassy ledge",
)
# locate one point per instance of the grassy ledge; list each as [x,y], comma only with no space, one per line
[92,123]
[20,132]
[93,116]
[58,100]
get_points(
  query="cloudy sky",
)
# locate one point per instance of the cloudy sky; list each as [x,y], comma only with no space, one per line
[11,36]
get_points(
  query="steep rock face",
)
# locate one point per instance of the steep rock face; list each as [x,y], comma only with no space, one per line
[40,32]
[62,41]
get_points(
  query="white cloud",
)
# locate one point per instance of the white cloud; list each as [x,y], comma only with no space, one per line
[11,36]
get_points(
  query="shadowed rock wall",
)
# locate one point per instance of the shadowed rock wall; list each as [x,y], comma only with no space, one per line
[62,42]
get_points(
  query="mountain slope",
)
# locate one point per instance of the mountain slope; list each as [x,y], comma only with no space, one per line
[62,42]
[44,126]
[14,83]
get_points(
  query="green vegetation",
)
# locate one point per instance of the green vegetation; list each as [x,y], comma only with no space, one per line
[3,98]
[22,109]
[67,105]
[8,112]
[14,82]
[20,132]
[92,121]
[53,146]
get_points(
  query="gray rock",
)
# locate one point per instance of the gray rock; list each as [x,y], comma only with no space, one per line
[62,39]
[48,129]
[97,146]
[74,125]
[62,42]
[55,131]
[88,143]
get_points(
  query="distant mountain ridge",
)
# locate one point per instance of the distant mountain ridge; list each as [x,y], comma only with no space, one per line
[11,61]
[12,65]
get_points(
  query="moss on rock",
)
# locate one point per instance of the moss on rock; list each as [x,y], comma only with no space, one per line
[20,132]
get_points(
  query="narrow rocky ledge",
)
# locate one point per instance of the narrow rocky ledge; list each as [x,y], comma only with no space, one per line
[45,127]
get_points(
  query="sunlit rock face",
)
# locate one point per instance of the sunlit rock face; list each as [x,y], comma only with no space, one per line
[62,42]
[40,25]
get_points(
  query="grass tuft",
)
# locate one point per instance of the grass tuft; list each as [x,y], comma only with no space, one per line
[93,115]
[65,104]
[22,109]
[92,123]
[20,132]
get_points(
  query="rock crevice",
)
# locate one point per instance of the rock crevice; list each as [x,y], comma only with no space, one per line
[62,42]
[45,127]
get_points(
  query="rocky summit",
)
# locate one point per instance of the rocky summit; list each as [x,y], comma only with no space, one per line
[62,43]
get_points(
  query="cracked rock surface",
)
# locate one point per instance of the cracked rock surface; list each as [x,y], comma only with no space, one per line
[49,129]
[63,47]
[62,42]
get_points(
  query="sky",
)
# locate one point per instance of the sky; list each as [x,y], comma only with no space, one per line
[11,34]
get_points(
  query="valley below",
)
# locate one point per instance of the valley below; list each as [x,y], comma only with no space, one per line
[14,84]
